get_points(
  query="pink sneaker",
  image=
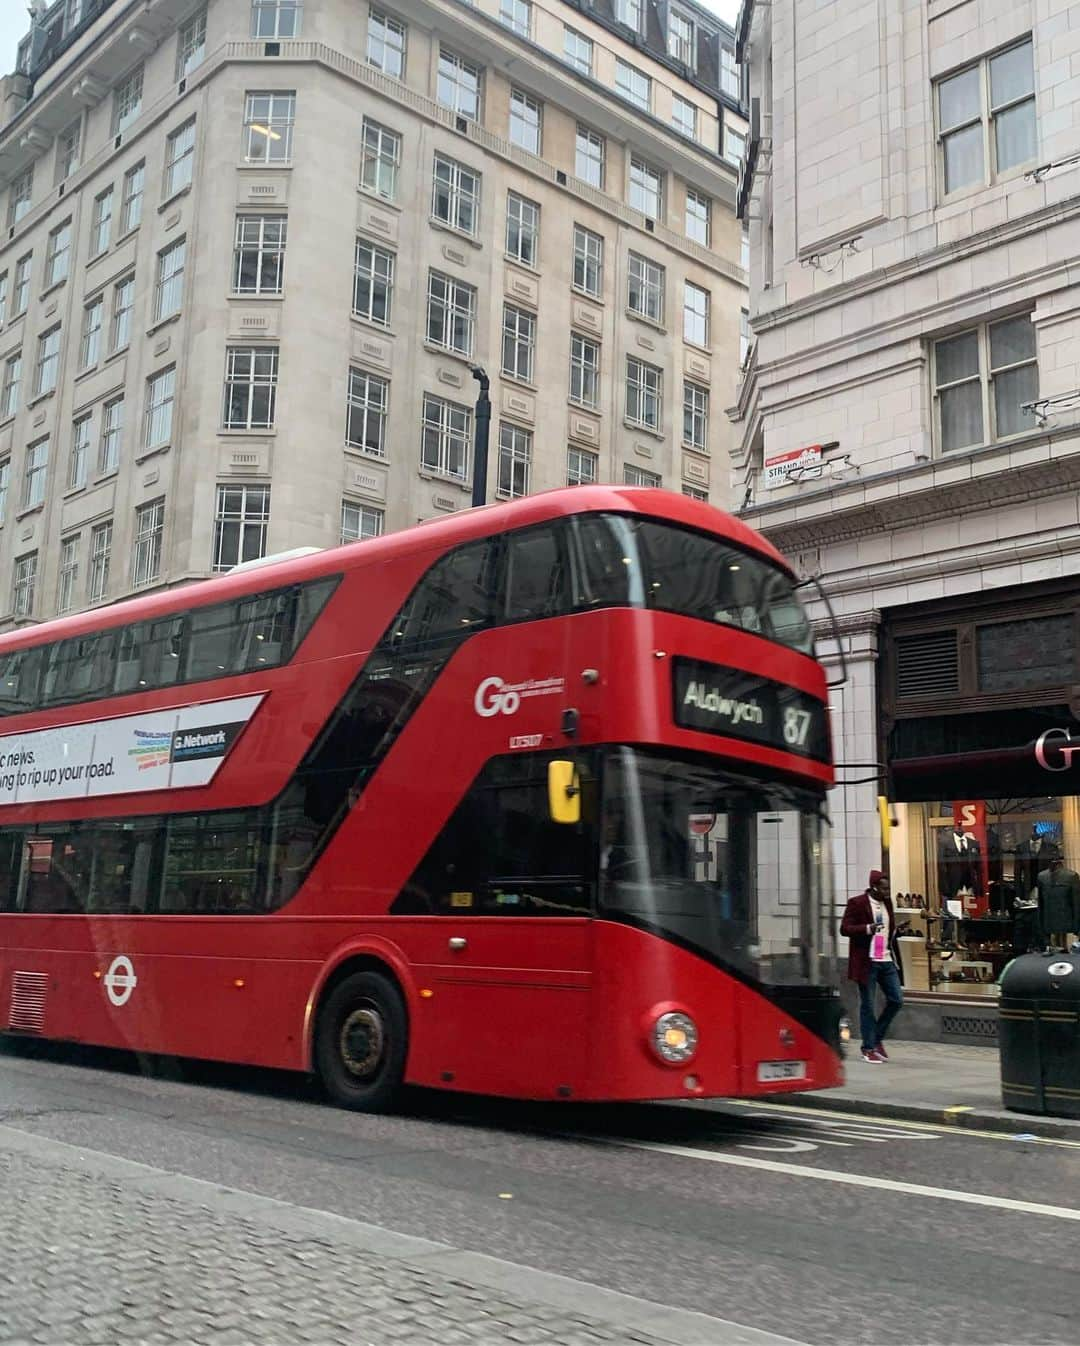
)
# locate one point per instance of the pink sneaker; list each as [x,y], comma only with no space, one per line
[875,1058]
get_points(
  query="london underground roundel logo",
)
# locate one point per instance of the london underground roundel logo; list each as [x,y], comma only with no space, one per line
[120,980]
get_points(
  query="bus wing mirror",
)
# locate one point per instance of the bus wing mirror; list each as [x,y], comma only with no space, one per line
[564,792]
[816,582]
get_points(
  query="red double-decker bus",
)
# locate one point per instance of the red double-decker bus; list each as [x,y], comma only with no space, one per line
[527,801]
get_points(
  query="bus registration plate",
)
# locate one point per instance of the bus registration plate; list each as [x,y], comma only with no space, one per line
[780,1070]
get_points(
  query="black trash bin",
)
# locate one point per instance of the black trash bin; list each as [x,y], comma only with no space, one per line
[1039,1034]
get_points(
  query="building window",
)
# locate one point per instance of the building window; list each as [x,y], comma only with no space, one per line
[455,199]
[48,362]
[644,394]
[516,14]
[251,374]
[986,119]
[522,229]
[734,145]
[365,412]
[112,428]
[20,196]
[22,587]
[451,313]
[646,188]
[684,116]
[69,150]
[58,254]
[458,86]
[633,85]
[3,296]
[5,478]
[69,574]
[101,223]
[519,343]
[447,432]
[190,45]
[730,75]
[695,416]
[645,290]
[131,203]
[80,453]
[581,467]
[123,302]
[696,315]
[386,43]
[276,18]
[9,391]
[179,158]
[698,218]
[588,261]
[127,101]
[37,469]
[639,476]
[360,521]
[268,127]
[169,288]
[100,552]
[259,254]
[578,51]
[744,336]
[146,552]
[20,293]
[744,251]
[373,283]
[629,12]
[524,121]
[380,157]
[982,378]
[515,459]
[584,370]
[160,392]
[695,493]
[240,522]
[589,151]
[682,39]
[90,341]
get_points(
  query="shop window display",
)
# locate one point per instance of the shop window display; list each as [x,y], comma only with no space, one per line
[981,881]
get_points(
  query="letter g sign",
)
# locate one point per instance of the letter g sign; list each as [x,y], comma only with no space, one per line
[492,696]
[1066,753]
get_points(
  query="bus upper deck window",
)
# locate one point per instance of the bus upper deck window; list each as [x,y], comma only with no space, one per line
[536,575]
[610,574]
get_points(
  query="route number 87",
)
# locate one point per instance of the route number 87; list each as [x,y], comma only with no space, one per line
[796,726]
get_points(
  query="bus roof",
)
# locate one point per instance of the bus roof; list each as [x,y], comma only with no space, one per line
[433,535]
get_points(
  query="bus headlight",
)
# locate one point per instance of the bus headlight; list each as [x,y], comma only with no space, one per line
[674,1038]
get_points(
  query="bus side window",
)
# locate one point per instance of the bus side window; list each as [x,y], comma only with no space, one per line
[19,672]
[150,654]
[456,598]
[608,574]
[81,669]
[211,642]
[536,584]
[11,851]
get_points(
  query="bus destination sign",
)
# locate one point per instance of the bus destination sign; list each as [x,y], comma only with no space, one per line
[743,705]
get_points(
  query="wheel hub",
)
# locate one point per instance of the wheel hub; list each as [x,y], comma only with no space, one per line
[362,1042]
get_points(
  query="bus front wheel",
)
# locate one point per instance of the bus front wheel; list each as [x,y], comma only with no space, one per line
[361,1042]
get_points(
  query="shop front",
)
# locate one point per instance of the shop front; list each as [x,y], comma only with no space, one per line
[979,702]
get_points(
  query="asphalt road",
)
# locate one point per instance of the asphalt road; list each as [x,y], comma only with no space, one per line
[819,1228]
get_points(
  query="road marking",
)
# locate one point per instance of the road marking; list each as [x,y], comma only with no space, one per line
[849,1179]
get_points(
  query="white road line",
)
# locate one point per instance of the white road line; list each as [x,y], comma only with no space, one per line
[851,1179]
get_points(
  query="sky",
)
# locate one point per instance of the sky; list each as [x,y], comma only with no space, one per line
[15,23]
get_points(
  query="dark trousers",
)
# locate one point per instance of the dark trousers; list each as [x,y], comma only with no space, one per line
[875,1026]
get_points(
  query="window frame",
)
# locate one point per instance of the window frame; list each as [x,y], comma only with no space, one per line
[648,184]
[47,362]
[183,138]
[69,149]
[368,410]
[985,375]
[526,118]
[253,381]
[263,250]
[585,373]
[986,120]
[101,219]
[448,436]
[268,128]
[522,227]
[652,282]
[10,384]
[458,193]
[147,542]
[254,520]
[79,453]
[24,584]
[58,254]
[585,257]
[67,577]
[293,10]
[678,103]
[645,387]
[375,154]
[518,343]
[624,86]
[633,475]
[514,472]
[389,23]
[35,474]
[91,333]
[20,196]
[454,80]
[377,274]
[582,456]
[190,45]
[127,100]
[160,406]
[364,512]
[120,318]
[169,280]
[695,414]
[697,324]
[457,303]
[131,201]
[590,154]
[510,16]
[110,438]
[575,61]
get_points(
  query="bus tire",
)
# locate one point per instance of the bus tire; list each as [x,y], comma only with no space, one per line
[361,1042]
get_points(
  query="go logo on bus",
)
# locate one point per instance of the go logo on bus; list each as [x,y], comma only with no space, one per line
[493,696]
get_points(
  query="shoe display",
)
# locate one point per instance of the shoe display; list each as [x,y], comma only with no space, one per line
[874,1058]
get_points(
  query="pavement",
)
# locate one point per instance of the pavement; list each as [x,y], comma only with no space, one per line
[935,1082]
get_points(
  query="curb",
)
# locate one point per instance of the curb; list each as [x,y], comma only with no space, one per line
[962,1118]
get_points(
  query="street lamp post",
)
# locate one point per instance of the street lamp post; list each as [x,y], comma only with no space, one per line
[480,438]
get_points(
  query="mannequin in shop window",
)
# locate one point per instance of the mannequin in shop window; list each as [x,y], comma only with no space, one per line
[1032,855]
[959,869]
[1059,903]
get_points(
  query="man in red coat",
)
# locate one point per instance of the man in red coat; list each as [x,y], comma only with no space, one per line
[870,926]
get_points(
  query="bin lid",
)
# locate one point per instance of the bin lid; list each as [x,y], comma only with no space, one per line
[1042,976]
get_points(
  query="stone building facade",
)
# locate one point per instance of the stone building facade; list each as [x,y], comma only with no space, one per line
[251,251]
[908,423]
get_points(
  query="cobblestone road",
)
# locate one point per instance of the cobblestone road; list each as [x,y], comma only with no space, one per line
[85,1259]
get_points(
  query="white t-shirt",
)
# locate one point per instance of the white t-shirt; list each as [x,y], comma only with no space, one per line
[879,942]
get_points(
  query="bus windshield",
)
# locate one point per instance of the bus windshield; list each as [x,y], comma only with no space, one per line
[639,562]
[717,860]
